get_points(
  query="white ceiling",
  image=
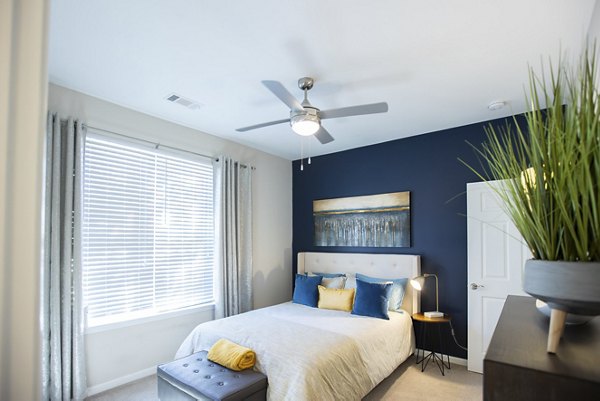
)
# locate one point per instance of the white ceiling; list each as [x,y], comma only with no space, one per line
[438,64]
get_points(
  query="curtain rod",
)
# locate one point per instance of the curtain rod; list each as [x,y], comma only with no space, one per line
[156,144]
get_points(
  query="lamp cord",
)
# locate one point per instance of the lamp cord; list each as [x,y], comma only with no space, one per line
[454,336]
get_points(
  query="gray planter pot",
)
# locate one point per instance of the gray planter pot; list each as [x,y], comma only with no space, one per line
[572,287]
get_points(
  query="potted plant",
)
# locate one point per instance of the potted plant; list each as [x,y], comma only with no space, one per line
[551,187]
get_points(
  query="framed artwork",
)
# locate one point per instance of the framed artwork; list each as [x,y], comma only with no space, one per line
[363,221]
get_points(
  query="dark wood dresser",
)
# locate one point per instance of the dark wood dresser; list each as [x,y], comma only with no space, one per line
[517,366]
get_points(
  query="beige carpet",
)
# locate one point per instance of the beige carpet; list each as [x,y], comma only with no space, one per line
[408,383]
[139,390]
[405,383]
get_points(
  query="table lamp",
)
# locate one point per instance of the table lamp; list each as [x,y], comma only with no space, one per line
[417,284]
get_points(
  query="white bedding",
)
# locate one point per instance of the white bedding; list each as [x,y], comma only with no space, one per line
[313,354]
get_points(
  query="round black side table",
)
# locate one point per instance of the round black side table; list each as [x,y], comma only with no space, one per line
[437,357]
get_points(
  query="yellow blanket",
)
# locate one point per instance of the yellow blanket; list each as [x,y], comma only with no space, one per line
[231,355]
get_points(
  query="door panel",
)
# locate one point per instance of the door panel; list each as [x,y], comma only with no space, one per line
[491,309]
[496,256]
[494,250]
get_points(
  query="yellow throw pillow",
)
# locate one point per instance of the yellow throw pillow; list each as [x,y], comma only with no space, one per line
[332,298]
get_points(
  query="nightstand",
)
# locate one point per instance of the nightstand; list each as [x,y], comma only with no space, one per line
[437,357]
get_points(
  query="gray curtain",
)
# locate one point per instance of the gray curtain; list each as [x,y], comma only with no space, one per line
[63,364]
[233,223]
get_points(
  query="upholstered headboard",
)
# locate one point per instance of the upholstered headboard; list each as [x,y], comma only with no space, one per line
[376,265]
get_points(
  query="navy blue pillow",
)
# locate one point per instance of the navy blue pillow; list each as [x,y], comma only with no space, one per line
[306,291]
[398,290]
[372,299]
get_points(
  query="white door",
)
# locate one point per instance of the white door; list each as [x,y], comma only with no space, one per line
[496,255]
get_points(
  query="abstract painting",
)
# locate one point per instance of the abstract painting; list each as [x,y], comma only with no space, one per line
[363,221]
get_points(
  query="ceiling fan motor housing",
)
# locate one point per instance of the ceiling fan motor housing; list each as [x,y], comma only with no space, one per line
[306,83]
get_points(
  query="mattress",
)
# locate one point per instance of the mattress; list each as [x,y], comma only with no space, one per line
[313,354]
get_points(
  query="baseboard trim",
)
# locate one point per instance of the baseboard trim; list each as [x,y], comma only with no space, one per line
[109,385]
[453,359]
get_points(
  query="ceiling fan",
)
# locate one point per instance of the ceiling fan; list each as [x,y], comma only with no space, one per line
[305,118]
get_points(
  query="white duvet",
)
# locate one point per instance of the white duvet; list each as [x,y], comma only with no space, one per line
[313,354]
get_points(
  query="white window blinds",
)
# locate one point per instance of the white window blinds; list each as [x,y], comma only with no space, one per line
[147,231]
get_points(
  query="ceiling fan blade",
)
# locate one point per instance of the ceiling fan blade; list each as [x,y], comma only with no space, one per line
[323,136]
[354,110]
[283,94]
[244,129]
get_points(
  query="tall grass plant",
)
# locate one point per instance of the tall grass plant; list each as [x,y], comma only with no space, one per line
[552,168]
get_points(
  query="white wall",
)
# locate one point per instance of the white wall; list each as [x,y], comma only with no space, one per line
[593,34]
[128,353]
[23,86]
[594,28]
[125,352]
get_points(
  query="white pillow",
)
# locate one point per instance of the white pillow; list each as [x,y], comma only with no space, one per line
[334,282]
[350,281]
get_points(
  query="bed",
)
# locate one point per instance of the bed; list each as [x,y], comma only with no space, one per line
[309,353]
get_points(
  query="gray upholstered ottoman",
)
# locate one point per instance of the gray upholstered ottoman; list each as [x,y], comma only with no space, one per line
[196,378]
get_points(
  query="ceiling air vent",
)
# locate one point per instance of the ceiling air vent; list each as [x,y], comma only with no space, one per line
[190,104]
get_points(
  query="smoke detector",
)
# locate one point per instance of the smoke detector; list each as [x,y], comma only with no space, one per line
[496,105]
[186,102]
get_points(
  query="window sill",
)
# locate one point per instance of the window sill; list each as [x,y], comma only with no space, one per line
[148,319]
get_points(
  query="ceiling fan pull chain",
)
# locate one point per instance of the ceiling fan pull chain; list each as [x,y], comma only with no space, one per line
[301,154]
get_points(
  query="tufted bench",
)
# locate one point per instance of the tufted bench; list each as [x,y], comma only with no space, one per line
[196,378]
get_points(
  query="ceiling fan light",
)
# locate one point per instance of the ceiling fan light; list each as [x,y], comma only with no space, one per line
[305,127]
[306,123]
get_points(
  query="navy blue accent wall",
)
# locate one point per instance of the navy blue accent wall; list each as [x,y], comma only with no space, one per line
[427,166]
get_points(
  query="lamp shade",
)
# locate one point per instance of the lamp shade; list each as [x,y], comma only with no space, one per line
[417,283]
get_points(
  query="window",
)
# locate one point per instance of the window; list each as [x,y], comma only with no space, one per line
[147,230]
